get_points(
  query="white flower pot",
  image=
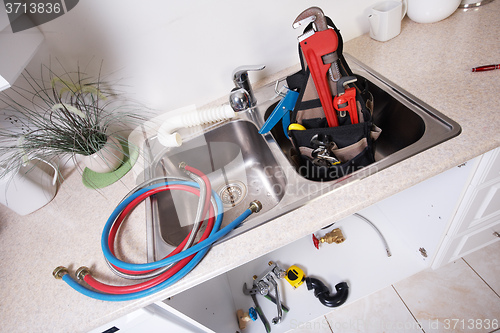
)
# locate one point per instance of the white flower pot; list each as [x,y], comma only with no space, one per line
[108,159]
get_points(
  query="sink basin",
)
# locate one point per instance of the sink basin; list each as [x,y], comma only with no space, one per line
[243,165]
[240,166]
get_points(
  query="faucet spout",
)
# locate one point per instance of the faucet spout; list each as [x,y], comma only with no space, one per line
[242,96]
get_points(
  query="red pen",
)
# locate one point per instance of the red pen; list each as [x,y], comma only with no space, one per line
[486,68]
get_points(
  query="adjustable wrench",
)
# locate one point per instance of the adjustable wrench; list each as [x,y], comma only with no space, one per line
[319,48]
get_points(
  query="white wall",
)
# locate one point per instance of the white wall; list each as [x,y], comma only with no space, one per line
[174,53]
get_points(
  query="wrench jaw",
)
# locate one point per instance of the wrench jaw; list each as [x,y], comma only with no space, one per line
[304,22]
[314,15]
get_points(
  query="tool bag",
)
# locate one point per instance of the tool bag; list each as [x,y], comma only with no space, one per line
[326,153]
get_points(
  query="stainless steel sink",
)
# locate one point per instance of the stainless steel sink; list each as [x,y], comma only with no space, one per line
[244,165]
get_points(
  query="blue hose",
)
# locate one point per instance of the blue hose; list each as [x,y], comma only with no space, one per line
[199,249]
[186,253]
[109,223]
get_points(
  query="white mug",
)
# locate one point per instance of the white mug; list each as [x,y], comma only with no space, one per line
[28,188]
[385,19]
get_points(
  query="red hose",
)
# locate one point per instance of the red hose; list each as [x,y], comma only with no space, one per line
[134,203]
[179,265]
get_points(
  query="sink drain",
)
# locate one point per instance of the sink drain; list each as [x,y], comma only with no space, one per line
[233,193]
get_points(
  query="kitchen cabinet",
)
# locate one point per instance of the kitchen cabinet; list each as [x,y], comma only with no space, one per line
[413,222]
[427,225]
[476,223]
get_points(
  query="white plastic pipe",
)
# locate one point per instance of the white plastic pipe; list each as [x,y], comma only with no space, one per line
[169,138]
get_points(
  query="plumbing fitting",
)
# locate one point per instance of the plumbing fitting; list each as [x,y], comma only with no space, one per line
[245,317]
[267,282]
[255,206]
[322,292]
[296,277]
[59,272]
[82,272]
[386,245]
[334,236]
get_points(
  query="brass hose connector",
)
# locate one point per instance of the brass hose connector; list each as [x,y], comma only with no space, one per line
[334,236]
[255,206]
[82,272]
[59,272]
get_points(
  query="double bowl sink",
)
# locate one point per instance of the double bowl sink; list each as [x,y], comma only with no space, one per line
[244,165]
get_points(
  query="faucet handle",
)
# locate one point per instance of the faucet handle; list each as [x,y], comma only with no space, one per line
[240,74]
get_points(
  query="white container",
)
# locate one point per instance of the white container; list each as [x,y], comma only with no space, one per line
[385,20]
[430,11]
[29,188]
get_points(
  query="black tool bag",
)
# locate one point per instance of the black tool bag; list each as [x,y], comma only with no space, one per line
[327,153]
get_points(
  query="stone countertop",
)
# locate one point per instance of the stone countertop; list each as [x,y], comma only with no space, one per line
[431,61]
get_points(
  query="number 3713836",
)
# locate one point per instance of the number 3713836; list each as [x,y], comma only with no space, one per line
[470,324]
[33,8]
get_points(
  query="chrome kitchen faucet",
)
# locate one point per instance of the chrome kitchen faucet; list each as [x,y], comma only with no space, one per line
[242,97]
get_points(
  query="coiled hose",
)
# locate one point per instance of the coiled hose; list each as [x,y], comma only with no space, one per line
[170,269]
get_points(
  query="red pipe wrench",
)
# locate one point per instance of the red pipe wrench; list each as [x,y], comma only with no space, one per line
[345,101]
[315,45]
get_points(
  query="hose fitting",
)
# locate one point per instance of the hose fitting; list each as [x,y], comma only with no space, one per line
[59,272]
[255,206]
[82,272]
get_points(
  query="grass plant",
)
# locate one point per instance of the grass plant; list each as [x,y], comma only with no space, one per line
[64,114]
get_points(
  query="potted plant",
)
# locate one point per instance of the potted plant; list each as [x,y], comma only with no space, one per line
[71,115]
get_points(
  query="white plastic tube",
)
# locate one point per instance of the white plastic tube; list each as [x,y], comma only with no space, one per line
[169,138]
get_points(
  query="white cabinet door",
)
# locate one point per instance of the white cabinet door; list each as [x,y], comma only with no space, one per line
[477,221]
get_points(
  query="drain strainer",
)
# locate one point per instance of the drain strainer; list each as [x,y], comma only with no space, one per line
[232,193]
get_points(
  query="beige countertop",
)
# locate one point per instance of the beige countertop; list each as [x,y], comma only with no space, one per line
[431,61]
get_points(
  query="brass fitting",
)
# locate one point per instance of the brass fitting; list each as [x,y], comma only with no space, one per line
[82,272]
[255,206]
[334,236]
[243,319]
[59,272]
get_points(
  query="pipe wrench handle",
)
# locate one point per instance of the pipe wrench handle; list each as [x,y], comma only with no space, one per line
[314,48]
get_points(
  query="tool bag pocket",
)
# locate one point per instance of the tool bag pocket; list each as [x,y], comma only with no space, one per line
[327,153]
[351,146]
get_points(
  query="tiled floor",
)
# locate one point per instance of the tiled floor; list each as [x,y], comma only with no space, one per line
[463,296]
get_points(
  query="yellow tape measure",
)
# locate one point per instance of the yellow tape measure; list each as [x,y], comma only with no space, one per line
[295,276]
